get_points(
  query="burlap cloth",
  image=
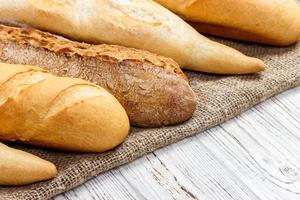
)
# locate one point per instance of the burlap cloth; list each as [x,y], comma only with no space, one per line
[219,98]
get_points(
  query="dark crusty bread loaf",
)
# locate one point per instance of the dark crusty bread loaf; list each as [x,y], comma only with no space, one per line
[153,89]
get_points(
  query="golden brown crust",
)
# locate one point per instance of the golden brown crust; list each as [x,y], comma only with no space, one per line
[235,33]
[111,53]
[58,112]
[20,168]
[273,22]
[152,89]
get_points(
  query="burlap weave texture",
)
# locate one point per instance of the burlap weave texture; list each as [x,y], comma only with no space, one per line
[219,99]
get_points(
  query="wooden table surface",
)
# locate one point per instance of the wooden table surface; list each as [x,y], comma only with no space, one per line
[255,156]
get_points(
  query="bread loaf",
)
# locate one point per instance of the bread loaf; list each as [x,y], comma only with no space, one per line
[62,113]
[20,168]
[152,89]
[141,24]
[275,22]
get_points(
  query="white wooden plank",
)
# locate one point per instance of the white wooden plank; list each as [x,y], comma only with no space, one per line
[209,178]
[255,156]
[262,147]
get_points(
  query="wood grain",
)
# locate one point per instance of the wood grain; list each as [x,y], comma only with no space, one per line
[255,156]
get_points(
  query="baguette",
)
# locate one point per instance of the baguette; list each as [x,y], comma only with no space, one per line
[275,22]
[141,24]
[62,113]
[21,168]
[153,89]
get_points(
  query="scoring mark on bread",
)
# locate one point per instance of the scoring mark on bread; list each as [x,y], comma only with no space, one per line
[72,95]
[140,15]
[19,82]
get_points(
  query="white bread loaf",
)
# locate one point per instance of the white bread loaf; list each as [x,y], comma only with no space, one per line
[57,112]
[141,24]
[20,168]
[275,22]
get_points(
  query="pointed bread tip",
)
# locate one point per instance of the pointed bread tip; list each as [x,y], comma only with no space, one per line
[260,65]
[51,171]
[220,59]
[21,168]
[252,66]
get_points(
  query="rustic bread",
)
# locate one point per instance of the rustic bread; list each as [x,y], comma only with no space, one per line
[62,113]
[153,89]
[20,168]
[141,24]
[275,22]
